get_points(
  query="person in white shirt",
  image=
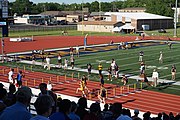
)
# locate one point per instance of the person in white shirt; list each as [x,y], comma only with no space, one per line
[141,54]
[49,85]
[11,76]
[77,51]
[161,57]
[65,64]
[48,63]
[60,60]
[155,76]
[72,61]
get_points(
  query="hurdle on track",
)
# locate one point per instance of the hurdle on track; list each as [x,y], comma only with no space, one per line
[72,76]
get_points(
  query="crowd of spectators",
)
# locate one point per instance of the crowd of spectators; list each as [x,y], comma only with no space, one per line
[48,106]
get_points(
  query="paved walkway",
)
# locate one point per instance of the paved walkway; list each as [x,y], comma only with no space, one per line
[106,73]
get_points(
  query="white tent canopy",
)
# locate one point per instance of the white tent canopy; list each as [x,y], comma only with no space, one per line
[127,26]
[116,29]
[124,27]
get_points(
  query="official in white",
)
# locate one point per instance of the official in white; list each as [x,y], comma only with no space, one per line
[155,76]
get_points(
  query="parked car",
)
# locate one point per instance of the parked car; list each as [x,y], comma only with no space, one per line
[162,31]
[62,22]
[52,23]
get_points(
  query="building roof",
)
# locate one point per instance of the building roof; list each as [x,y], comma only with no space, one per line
[97,13]
[137,16]
[134,8]
[53,13]
[62,13]
[97,23]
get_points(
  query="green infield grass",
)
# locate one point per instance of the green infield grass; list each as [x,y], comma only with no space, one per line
[169,33]
[128,63]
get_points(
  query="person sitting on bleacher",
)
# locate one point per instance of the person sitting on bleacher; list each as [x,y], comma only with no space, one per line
[63,111]
[43,106]
[44,91]
[19,111]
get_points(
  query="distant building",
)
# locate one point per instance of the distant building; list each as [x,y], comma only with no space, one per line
[70,16]
[137,20]
[123,20]
[97,26]
[31,19]
[133,9]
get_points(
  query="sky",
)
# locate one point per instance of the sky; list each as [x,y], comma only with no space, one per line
[66,1]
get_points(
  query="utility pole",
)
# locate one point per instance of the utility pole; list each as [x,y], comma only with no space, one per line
[175,20]
[100,12]
[82,18]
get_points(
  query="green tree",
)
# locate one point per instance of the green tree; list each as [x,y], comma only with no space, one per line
[24,7]
[94,6]
[160,7]
[106,6]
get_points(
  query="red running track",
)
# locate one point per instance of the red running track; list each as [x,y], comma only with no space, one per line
[154,102]
[48,42]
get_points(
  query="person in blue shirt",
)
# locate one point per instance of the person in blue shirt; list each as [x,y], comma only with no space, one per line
[64,109]
[72,114]
[19,111]
[20,75]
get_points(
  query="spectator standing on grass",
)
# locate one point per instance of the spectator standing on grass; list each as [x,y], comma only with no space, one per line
[59,60]
[100,67]
[142,69]
[155,77]
[48,60]
[109,73]
[141,54]
[43,59]
[65,63]
[11,76]
[113,67]
[169,44]
[71,51]
[77,51]
[72,61]
[161,57]
[89,67]
[173,72]
[143,35]
[19,111]
[33,59]
[43,106]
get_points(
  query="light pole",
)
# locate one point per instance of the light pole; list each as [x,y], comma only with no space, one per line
[82,18]
[175,20]
[100,15]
